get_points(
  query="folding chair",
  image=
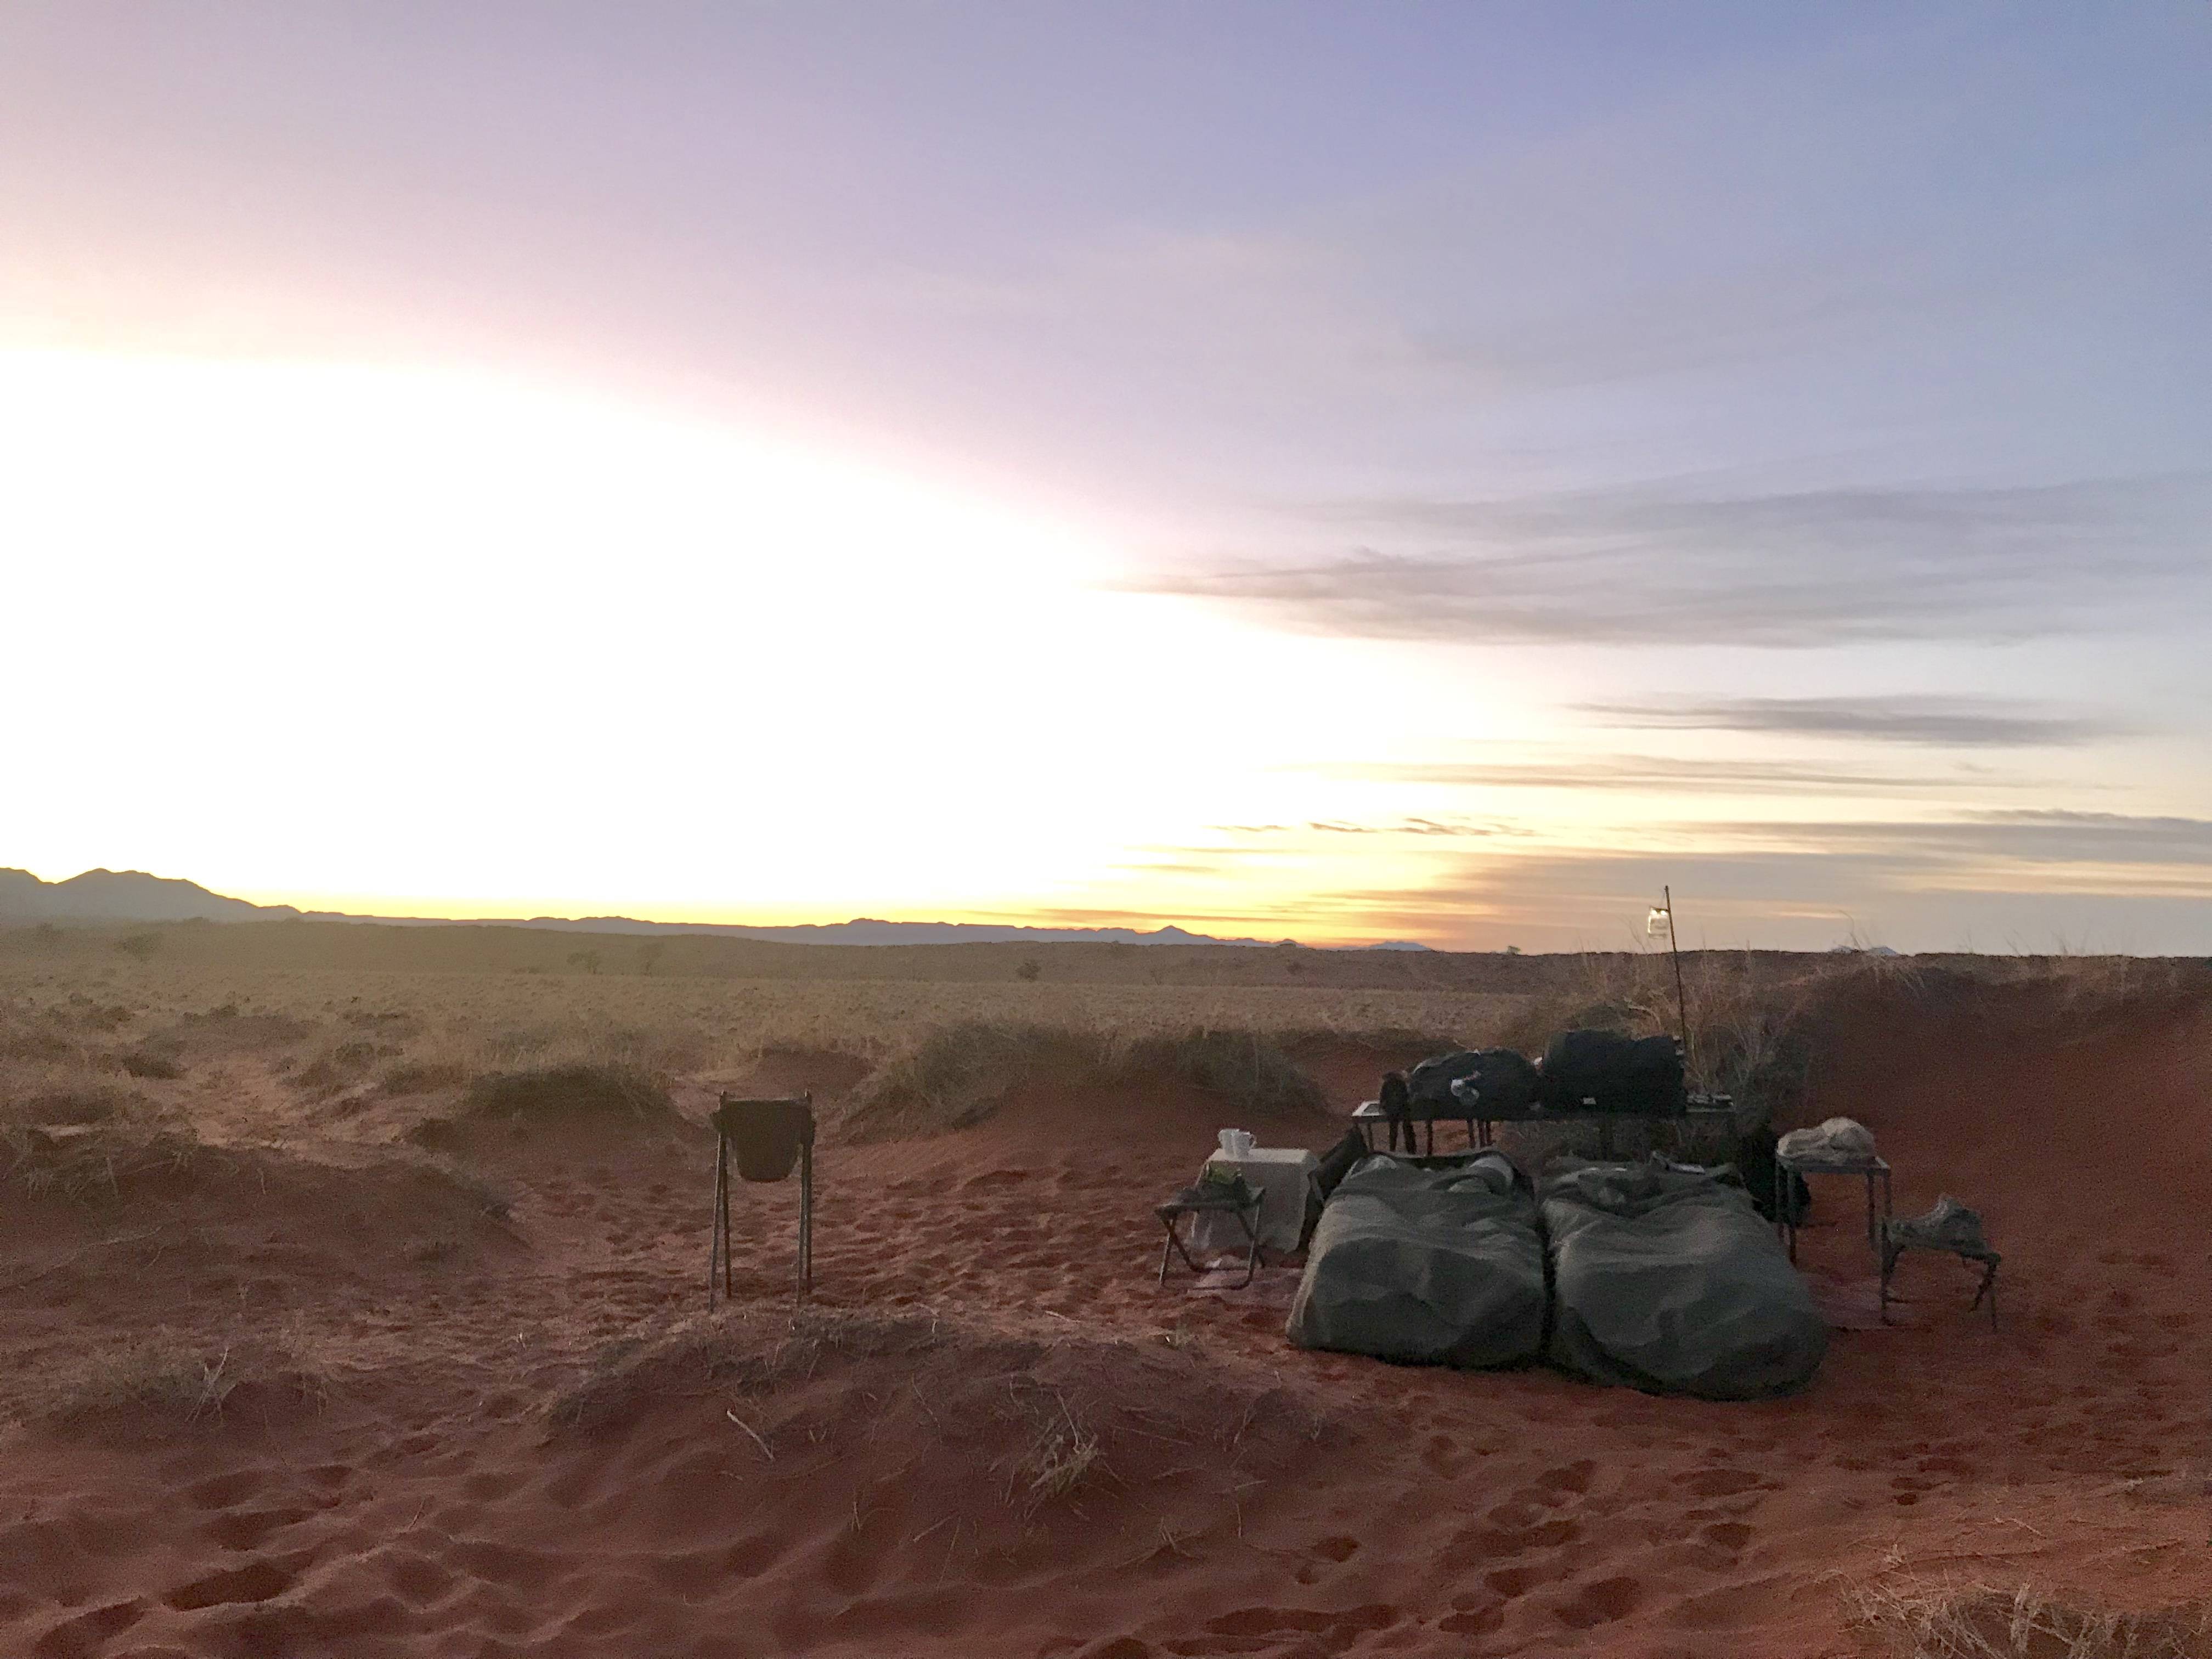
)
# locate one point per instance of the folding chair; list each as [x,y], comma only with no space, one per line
[1235,1196]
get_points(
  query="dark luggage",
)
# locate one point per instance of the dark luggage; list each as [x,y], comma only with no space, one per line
[1609,1072]
[1505,1082]
[1321,1186]
[766,1134]
[1500,1078]
[1754,1162]
[1431,1080]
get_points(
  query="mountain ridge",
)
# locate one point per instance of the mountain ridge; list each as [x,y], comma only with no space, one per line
[114,896]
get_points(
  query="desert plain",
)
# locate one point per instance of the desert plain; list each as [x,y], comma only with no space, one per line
[353,1301]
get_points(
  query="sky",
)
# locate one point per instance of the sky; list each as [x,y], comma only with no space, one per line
[1348,473]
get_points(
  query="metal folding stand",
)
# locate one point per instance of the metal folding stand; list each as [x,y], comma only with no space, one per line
[1194,1201]
[769,1137]
[1988,1260]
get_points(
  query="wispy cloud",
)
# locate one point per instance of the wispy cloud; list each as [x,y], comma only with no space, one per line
[2031,877]
[1409,826]
[1667,774]
[1939,722]
[1813,567]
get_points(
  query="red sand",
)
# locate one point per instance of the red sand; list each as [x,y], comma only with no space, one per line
[873,1486]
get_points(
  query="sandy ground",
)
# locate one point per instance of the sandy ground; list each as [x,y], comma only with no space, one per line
[997,1436]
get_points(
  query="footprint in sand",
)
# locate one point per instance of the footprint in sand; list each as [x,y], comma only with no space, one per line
[263,1579]
[1731,1535]
[83,1634]
[223,1491]
[1721,1482]
[1601,1603]
[248,1530]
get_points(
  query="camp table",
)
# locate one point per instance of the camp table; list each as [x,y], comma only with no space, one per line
[1278,1175]
[1871,1166]
[1481,1121]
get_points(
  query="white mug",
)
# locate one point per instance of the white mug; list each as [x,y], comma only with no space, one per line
[1235,1143]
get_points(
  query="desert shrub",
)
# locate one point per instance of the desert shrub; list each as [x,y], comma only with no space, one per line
[958,1075]
[1977,1622]
[1243,1067]
[40,1042]
[341,1064]
[421,1077]
[80,1101]
[575,1090]
[153,1063]
[88,1162]
[165,1379]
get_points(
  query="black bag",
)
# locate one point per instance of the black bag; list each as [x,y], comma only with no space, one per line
[1335,1163]
[766,1134]
[1505,1081]
[1397,1103]
[1754,1160]
[1431,1080]
[1500,1076]
[1607,1071]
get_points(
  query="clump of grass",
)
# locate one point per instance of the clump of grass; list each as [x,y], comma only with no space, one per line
[694,1356]
[960,1074]
[421,1077]
[164,1379]
[569,1091]
[85,1163]
[161,1375]
[1056,1462]
[66,1099]
[341,1065]
[1943,1621]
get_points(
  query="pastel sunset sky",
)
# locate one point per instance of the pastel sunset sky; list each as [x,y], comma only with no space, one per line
[1341,471]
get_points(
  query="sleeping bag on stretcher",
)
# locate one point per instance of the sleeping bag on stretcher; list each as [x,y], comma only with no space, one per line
[1430,1261]
[1666,1280]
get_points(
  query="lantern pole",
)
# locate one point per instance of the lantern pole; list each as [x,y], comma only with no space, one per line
[1681,1000]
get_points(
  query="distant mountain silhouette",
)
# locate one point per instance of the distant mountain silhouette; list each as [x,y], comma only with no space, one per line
[133,896]
[122,895]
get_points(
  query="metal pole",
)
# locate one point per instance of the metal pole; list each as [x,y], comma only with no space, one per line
[1681,1001]
[719,1231]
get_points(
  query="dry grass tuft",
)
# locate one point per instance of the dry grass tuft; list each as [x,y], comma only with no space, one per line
[165,1380]
[694,1356]
[1950,1621]
[88,1163]
[960,1074]
[1057,1461]
[158,1378]
[569,1091]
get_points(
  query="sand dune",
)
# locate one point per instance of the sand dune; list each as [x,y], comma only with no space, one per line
[277,1401]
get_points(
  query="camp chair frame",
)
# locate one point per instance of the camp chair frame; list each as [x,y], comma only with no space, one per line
[1248,1217]
[1893,1248]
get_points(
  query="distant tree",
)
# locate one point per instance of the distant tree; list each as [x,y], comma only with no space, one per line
[1512,950]
[47,935]
[1028,970]
[587,960]
[139,947]
[650,952]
